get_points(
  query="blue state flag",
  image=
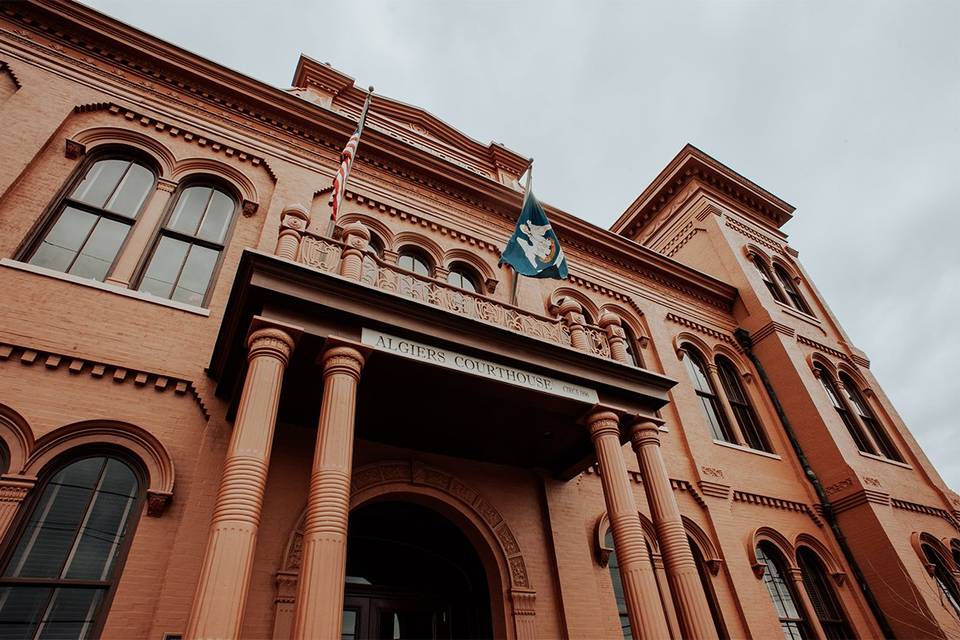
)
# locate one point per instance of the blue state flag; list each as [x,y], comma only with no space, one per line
[534,250]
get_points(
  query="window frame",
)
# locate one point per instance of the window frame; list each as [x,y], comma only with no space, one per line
[876,430]
[418,253]
[835,628]
[767,276]
[706,582]
[942,575]
[162,230]
[17,527]
[794,297]
[742,409]
[62,200]
[711,395]
[770,556]
[835,397]
[468,273]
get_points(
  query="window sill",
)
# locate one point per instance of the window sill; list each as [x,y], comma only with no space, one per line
[102,286]
[740,447]
[895,463]
[809,319]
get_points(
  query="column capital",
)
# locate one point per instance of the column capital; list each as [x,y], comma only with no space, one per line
[644,432]
[270,342]
[295,216]
[356,235]
[342,359]
[166,185]
[603,421]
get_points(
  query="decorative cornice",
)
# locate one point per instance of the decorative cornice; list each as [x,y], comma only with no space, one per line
[696,326]
[777,503]
[5,68]
[751,234]
[714,489]
[175,131]
[922,508]
[75,366]
[810,342]
[861,497]
[769,329]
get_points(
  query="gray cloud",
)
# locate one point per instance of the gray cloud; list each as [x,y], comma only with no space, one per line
[850,111]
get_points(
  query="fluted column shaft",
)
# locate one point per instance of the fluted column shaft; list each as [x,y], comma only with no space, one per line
[227,564]
[647,618]
[319,608]
[693,611]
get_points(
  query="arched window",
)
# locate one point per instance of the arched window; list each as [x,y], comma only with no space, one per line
[614,566]
[708,591]
[633,347]
[707,394]
[852,427]
[4,457]
[768,279]
[822,596]
[742,410]
[796,299]
[948,587]
[190,245]
[62,566]
[785,601]
[90,222]
[416,261]
[869,420]
[376,245]
[464,277]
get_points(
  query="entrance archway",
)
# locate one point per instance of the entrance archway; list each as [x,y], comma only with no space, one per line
[411,573]
[512,599]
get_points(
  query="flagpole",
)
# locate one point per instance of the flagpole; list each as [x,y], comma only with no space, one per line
[338,194]
[526,193]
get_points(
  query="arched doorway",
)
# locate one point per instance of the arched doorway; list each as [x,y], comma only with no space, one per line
[412,574]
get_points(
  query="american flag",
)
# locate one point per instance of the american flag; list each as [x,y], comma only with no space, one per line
[346,161]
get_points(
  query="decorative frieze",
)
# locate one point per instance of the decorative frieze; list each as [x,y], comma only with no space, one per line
[75,366]
[753,235]
[819,346]
[696,326]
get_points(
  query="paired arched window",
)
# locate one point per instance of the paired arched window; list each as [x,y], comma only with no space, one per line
[376,245]
[779,587]
[707,394]
[63,563]
[91,221]
[783,289]
[743,412]
[414,260]
[88,226]
[190,245]
[824,599]
[857,416]
[733,393]
[941,573]
[463,277]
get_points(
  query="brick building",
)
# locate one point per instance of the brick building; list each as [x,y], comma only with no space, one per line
[220,419]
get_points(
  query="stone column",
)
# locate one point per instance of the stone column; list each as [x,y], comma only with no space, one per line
[796,577]
[221,595]
[572,314]
[616,337]
[692,608]
[293,221]
[13,490]
[356,237]
[647,619]
[141,234]
[319,608]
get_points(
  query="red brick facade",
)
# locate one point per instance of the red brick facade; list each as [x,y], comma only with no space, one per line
[260,411]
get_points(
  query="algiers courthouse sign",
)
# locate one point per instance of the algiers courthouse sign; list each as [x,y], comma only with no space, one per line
[476,366]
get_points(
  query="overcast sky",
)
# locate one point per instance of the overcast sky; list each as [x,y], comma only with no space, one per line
[850,112]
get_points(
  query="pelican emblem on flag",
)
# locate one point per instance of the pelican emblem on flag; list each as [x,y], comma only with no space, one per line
[534,250]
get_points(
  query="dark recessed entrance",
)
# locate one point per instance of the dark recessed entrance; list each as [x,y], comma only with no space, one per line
[412,575]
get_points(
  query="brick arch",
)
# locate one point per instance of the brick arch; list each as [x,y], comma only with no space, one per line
[513,612]
[709,551]
[375,226]
[834,568]
[778,540]
[695,341]
[244,185]
[95,137]
[419,241]
[143,445]
[558,294]
[17,435]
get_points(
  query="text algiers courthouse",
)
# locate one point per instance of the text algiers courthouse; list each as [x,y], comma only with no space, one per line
[218,419]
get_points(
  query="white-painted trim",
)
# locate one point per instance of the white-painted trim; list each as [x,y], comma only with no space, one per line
[102,286]
[740,447]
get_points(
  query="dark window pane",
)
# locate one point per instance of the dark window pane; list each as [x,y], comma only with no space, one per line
[822,596]
[71,614]
[119,478]
[460,279]
[868,419]
[413,262]
[133,190]
[161,274]
[768,280]
[100,536]
[49,533]
[189,210]
[348,630]
[100,250]
[82,473]
[217,219]
[100,182]
[195,276]
[792,622]
[852,427]
[20,611]
[742,409]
